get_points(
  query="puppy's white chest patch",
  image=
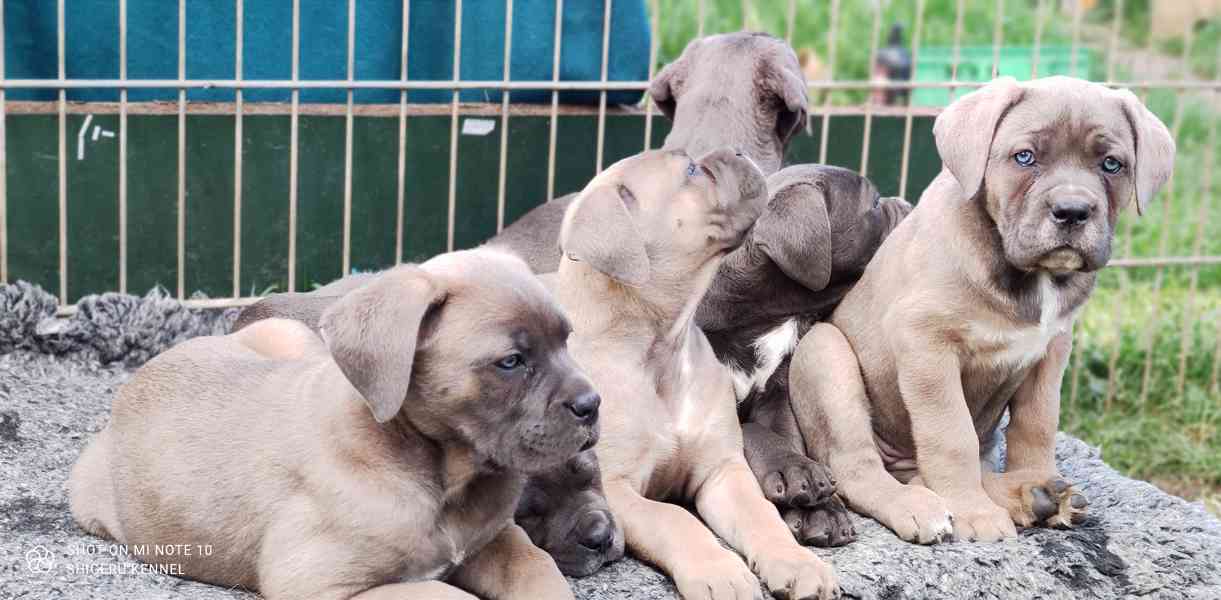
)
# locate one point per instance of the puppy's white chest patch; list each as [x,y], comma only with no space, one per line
[1004,346]
[770,349]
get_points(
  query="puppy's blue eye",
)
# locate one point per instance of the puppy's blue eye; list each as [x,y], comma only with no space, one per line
[511,361]
[1111,165]
[1024,158]
[692,170]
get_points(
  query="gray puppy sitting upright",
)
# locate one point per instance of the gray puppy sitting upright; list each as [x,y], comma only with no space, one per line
[821,227]
[967,311]
[374,462]
[740,90]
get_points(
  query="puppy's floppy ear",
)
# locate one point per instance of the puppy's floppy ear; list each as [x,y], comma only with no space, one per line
[1154,149]
[599,230]
[789,85]
[964,130]
[662,89]
[795,232]
[372,334]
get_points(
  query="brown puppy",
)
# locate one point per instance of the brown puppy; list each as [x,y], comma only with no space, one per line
[367,463]
[967,310]
[738,90]
[562,509]
[641,246]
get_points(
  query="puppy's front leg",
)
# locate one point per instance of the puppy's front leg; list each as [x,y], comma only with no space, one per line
[1031,489]
[947,448]
[512,567]
[732,504]
[671,538]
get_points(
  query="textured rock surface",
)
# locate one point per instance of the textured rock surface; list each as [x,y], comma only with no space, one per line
[55,392]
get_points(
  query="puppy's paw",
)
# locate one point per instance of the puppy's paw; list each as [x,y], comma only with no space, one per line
[824,526]
[1054,503]
[794,573]
[917,514]
[722,577]
[795,481]
[978,519]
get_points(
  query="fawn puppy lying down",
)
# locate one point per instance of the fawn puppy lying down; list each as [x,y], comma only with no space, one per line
[377,461]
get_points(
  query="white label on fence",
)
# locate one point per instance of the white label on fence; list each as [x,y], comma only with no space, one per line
[478,126]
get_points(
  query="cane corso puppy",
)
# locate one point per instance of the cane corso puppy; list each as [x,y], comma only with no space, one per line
[967,312]
[382,459]
[641,244]
[562,509]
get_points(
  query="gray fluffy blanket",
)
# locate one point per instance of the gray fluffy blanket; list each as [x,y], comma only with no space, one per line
[58,377]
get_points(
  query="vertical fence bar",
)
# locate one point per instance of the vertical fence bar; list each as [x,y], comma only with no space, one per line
[1075,44]
[791,20]
[1113,47]
[555,97]
[1114,359]
[238,44]
[504,119]
[606,22]
[867,130]
[655,22]
[401,181]
[956,53]
[700,12]
[1151,326]
[182,149]
[453,130]
[347,144]
[3,162]
[998,35]
[826,104]
[63,156]
[907,118]
[293,126]
[1206,186]
[1039,16]
[123,148]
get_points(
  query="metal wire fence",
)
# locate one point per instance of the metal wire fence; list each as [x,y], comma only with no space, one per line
[827,106]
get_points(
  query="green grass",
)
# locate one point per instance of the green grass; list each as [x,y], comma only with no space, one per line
[1165,435]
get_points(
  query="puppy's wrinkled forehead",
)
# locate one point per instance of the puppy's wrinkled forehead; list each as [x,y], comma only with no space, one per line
[1063,114]
[494,293]
[653,171]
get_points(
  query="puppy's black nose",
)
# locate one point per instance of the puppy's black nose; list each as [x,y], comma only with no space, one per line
[597,533]
[1070,212]
[585,406]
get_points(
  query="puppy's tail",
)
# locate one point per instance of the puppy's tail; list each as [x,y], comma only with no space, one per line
[91,489]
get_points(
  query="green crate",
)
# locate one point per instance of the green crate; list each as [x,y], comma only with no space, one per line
[975,64]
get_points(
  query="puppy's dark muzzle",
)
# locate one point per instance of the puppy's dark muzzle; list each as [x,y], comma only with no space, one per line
[596,531]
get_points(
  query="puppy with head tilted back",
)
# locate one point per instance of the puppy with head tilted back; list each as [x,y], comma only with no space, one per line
[967,310]
[641,245]
[383,459]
